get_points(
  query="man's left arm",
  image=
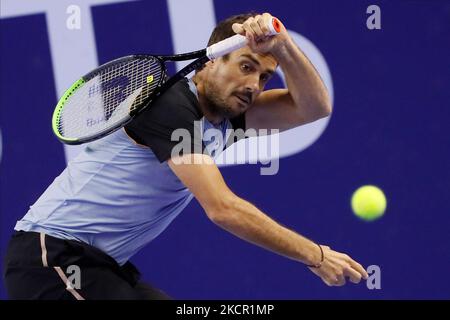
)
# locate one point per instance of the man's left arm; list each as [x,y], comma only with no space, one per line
[305,99]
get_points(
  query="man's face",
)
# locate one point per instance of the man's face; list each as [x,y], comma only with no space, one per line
[232,85]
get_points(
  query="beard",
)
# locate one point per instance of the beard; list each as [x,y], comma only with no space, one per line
[216,104]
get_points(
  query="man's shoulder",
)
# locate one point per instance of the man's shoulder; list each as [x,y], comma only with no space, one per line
[178,98]
[177,104]
[177,108]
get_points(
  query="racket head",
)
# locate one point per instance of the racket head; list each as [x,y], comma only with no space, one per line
[107,98]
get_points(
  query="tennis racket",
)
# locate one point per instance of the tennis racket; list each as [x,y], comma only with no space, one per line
[109,97]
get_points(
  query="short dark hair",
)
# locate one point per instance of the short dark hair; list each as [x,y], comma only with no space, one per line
[224,30]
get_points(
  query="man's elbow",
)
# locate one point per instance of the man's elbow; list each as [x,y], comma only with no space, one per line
[327,108]
[312,109]
[323,107]
[222,211]
[322,110]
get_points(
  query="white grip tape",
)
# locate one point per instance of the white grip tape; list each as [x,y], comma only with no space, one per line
[233,43]
[226,46]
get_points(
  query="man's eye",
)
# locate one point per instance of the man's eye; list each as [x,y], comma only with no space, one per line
[264,77]
[245,67]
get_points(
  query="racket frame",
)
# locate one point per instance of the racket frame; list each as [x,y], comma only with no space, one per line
[202,56]
[163,85]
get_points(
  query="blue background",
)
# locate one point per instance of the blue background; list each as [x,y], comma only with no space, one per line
[389,128]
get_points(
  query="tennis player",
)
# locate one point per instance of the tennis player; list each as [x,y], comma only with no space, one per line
[122,191]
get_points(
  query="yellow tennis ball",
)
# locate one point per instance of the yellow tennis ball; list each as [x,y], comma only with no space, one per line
[368,203]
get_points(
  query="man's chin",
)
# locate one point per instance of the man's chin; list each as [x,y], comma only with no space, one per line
[234,112]
[230,111]
[236,109]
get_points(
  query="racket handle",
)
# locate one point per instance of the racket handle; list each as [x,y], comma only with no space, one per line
[237,41]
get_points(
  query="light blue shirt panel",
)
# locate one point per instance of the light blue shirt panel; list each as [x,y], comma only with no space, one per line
[115,196]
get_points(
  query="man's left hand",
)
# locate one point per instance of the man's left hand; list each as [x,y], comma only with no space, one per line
[258,34]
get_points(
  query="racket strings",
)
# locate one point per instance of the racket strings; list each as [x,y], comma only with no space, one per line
[106,99]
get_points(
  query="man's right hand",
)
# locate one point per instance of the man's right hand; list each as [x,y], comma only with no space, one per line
[336,267]
[241,218]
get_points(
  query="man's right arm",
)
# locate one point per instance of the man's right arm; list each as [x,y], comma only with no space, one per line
[239,217]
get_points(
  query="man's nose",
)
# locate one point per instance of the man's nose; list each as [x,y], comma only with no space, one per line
[252,84]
